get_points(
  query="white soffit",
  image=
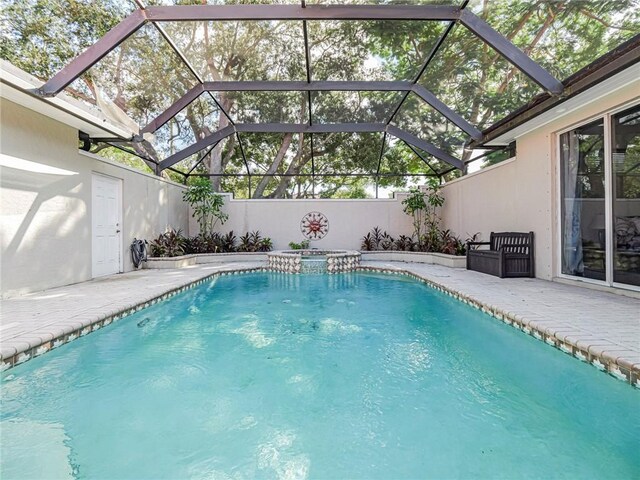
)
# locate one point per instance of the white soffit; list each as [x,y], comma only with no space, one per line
[620,80]
[17,86]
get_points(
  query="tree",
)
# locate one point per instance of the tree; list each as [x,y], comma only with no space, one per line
[206,204]
[141,78]
[422,207]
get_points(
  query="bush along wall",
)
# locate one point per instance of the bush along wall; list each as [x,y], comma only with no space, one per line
[173,243]
[428,236]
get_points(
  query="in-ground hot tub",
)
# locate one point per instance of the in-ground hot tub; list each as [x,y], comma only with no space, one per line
[313,261]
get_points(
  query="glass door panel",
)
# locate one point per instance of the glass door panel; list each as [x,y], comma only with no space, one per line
[583,228]
[625,136]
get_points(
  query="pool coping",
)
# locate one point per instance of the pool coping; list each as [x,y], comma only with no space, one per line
[617,367]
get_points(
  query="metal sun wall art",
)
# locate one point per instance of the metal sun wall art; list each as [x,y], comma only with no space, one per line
[314,226]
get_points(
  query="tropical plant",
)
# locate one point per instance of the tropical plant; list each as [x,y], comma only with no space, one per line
[415,205]
[448,242]
[253,242]
[378,239]
[368,244]
[303,245]
[386,242]
[228,242]
[377,235]
[266,245]
[171,243]
[471,238]
[206,205]
[203,243]
[245,243]
[423,208]
[434,240]
[405,243]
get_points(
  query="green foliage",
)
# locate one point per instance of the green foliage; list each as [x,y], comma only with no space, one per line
[120,156]
[303,245]
[204,243]
[266,245]
[172,243]
[168,244]
[377,240]
[206,204]
[436,240]
[144,76]
[253,242]
[422,207]
[228,242]
[404,243]
[42,36]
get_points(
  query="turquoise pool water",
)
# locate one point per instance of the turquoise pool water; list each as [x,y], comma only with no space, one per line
[283,376]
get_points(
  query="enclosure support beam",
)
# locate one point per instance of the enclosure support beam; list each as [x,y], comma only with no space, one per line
[307,58]
[422,92]
[306,128]
[244,159]
[229,130]
[419,155]
[452,116]
[221,134]
[180,104]
[424,66]
[93,54]
[200,160]
[426,146]
[384,143]
[289,175]
[512,53]
[274,86]
[314,86]
[212,139]
[182,13]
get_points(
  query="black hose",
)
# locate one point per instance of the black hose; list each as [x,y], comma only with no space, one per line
[138,252]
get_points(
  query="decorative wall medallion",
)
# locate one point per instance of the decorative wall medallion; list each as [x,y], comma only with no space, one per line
[314,225]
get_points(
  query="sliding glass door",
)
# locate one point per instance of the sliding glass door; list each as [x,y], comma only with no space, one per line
[600,199]
[584,240]
[625,135]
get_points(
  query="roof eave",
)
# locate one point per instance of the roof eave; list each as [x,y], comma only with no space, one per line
[20,87]
[605,67]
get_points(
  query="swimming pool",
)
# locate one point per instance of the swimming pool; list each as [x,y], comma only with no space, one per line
[321,376]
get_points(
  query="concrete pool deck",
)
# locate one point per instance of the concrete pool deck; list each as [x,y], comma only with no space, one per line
[599,327]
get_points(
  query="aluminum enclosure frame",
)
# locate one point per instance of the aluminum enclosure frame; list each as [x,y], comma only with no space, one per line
[184,13]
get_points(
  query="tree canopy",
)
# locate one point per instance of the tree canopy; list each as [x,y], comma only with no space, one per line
[144,75]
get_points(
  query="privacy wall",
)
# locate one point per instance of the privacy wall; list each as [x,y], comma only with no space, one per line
[45,206]
[349,220]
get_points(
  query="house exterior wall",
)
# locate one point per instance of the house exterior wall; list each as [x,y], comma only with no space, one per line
[521,194]
[45,218]
[349,220]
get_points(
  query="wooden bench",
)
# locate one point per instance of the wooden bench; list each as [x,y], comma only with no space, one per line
[510,254]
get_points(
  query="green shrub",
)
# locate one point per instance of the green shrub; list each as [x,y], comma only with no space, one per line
[303,245]
[168,244]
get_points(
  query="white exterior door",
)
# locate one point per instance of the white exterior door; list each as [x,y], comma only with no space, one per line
[106,242]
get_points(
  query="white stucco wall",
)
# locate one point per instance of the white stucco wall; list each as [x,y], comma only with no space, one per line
[45,219]
[522,194]
[349,220]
